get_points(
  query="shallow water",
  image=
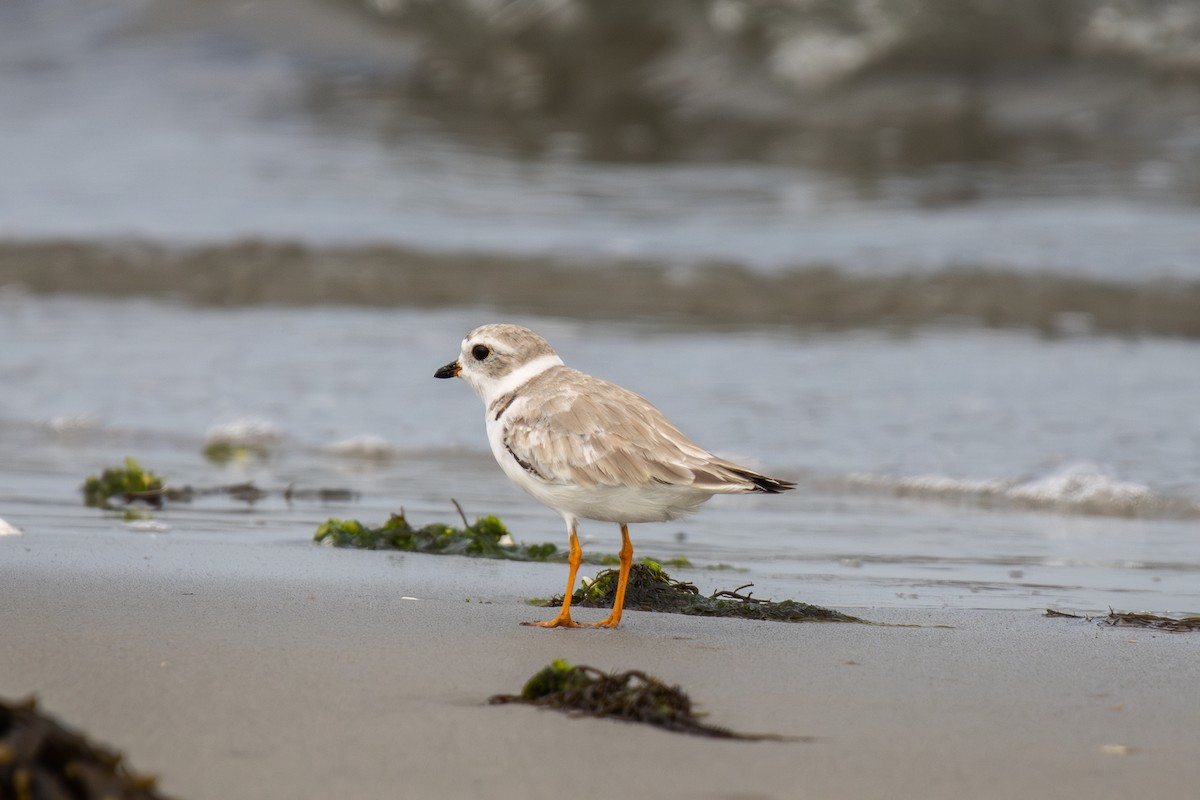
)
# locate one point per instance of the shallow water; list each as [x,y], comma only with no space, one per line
[941,464]
[898,444]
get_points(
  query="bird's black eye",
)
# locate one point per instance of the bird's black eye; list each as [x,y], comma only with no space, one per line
[480,352]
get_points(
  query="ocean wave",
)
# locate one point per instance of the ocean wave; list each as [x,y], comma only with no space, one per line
[707,295]
[858,85]
[939,81]
[1078,488]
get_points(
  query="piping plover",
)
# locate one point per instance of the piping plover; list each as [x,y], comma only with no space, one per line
[587,448]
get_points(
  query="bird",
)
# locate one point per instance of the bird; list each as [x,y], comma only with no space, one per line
[587,448]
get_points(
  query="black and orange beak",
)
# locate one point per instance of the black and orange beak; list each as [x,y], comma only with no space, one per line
[448,371]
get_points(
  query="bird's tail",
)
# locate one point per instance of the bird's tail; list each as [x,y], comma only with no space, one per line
[762,483]
[757,482]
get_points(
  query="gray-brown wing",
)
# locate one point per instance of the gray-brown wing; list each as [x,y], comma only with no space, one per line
[589,432]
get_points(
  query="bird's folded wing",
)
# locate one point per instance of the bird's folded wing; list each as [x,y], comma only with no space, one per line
[589,432]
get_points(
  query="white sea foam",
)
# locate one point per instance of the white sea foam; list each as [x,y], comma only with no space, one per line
[249,433]
[365,446]
[1077,488]
[73,424]
[147,526]
[1086,487]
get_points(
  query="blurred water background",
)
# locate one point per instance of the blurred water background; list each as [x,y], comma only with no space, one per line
[937,260]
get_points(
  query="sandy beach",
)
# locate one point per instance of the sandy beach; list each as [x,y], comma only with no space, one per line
[275,670]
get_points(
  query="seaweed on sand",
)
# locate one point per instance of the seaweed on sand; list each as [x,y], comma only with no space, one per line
[649,587]
[486,538]
[652,589]
[132,484]
[1129,619]
[39,758]
[632,696]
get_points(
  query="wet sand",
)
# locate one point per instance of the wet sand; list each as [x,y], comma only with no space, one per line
[275,670]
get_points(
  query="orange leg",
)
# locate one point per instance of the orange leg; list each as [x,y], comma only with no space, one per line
[626,555]
[563,620]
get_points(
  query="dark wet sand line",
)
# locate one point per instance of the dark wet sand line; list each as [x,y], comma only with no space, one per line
[717,294]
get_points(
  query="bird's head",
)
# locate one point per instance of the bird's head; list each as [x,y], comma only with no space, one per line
[496,359]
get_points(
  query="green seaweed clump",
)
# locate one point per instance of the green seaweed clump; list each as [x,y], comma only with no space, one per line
[222,452]
[487,538]
[39,758]
[632,696]
[558,677]
[242,441]
[131,482]
[652,589]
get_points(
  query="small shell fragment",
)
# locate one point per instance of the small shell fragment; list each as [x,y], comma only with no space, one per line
[1116,749]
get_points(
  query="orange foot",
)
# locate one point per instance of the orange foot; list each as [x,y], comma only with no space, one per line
[610,622]
[561,621]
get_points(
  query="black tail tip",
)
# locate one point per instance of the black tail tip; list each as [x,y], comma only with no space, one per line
[768,485]
[773,485]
